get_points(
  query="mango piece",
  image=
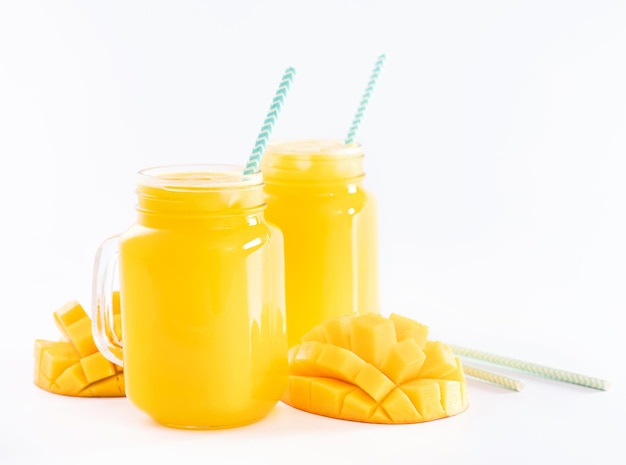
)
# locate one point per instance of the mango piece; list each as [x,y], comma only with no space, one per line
[327,395]
[117,326]
[44,383]
[407,328]
[298,392]
[457,374]
[79,334]
[115,299]
[96,367]
[337,331]
[374,382]
[116,337]
[404,361]
[380,416]
[374,369]
[75,325]
[53,358]
[117,318]
[399,408]
[72,380]
[357,406]
[425,394]
[303,359]
[342,363]
[74,366]
[451,396]
[371,337]
[440,360]
[113,386]
[68,314]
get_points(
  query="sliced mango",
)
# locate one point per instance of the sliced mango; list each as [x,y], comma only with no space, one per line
[373,369]
[74,366]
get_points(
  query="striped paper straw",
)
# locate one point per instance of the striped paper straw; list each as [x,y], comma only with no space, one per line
[270,119]
[533,368]
[358,117]
[493,378]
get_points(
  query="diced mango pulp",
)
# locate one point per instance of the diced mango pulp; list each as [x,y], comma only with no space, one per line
[374,369]
[74,366]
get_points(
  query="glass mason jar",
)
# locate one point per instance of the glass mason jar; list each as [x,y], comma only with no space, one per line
[315,195]
[201,278]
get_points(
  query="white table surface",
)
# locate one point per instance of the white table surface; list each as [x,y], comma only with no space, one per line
[495,143]
[548,422]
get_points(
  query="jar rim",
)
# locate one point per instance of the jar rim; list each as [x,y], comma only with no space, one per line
[315,147]
[198,176]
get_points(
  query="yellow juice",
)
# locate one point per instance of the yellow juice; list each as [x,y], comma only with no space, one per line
[315,195]
[202,298]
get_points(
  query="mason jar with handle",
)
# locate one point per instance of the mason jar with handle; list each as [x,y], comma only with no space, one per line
[201,278]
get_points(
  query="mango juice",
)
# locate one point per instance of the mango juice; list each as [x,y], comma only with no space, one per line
[315,194]
[202,299]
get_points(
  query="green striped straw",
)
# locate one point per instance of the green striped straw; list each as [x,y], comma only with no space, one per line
[533,368]
[492,378]
[270,119]
[358,117]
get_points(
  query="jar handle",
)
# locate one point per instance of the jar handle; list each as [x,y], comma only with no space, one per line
[105,269]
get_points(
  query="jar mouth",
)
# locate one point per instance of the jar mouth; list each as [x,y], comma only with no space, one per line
[198,176]
[312,162]
[334,148]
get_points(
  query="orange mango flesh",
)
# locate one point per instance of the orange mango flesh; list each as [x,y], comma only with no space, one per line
[74,366]
[373,369]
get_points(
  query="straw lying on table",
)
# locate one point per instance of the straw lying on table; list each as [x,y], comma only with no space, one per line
[493,378]
[533,368]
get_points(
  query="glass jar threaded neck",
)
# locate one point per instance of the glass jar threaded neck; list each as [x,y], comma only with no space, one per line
[198,190]
[312,162]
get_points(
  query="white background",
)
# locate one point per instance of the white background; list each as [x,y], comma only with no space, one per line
[495,143]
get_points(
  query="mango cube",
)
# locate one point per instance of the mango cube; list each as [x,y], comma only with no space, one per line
[53,358]
[404,361]
[440,360]
[79,334]
[426,396]
[399,407]
[337,331]
[96,367]
[409,329]
[68,314]
[371,337]
[72,380]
